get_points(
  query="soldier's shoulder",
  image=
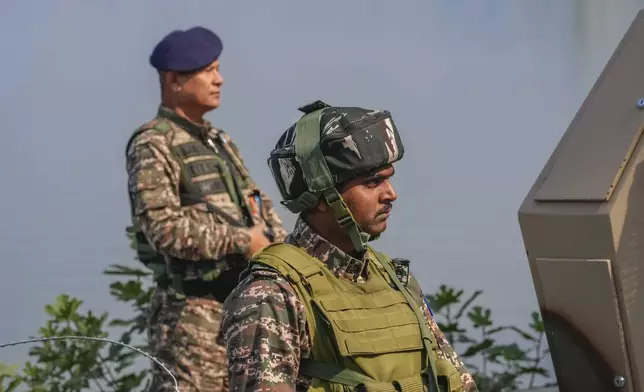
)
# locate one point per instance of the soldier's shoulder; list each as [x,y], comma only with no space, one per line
[261,274]
[260,283]
[156,131]
[415,289]
[262,294]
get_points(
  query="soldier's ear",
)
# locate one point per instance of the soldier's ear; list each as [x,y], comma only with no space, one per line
[168,80]
[176,81]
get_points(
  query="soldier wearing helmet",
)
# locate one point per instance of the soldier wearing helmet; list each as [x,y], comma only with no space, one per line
[324,311]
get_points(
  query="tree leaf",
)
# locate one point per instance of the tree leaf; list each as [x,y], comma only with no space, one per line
[467,303]
[122,270]
[478,348]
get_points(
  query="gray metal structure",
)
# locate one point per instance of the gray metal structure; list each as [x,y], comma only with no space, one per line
[583,229]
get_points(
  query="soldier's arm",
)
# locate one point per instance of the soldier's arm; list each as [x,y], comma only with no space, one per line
[269,214]
[174,230]
[264,327]
[444,345]
[272,218]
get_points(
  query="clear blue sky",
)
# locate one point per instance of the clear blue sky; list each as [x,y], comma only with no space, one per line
[481,91]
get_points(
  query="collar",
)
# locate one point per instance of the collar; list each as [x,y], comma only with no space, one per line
[190,126]
[341,264]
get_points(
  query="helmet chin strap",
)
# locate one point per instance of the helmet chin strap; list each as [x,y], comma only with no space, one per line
[319,180]
[343,216]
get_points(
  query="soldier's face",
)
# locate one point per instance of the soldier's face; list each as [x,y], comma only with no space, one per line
[202,88]
[370,198]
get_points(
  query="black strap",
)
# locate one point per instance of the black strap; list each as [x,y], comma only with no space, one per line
[193,199]
[219,288]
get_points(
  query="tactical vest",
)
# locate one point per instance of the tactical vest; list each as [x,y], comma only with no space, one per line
[365,337]
[203,173]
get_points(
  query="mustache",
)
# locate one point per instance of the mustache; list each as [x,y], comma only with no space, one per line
[387,208]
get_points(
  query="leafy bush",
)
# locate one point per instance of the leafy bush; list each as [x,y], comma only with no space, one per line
[78,365]
[9,379]
[495,366]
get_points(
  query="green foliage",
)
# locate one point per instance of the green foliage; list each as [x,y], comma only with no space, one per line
[496,366]
[80,365]
[9,378]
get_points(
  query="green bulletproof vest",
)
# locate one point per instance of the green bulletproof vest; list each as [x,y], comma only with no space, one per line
[203,174]
[365,337]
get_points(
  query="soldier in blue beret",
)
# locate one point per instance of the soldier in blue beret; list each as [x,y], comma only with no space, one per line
[197,215]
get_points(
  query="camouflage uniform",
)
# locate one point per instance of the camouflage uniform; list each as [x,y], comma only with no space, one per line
[265,323]
[265,327]
[184,332]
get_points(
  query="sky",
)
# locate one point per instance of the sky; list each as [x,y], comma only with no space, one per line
[480,91]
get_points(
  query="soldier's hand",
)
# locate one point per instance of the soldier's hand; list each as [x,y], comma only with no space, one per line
[258,238]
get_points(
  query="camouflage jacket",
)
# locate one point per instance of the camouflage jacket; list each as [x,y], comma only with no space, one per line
[189,233]
[264,322]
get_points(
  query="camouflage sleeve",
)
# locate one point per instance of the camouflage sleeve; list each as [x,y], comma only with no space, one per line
[185,233]
[273,220]
[264,327]
[268,212]
[444,345]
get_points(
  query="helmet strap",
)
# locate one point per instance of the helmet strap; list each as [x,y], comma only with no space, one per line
[343,216]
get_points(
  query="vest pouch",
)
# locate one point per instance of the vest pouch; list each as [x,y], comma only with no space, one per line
[397,386]
[411,384]
[379,387]
[369,329]
[364,387]
[367,325]
[449,379]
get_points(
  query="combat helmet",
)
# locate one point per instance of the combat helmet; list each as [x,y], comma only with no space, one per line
[325,148]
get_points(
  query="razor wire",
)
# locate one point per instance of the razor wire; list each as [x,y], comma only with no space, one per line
[104,340]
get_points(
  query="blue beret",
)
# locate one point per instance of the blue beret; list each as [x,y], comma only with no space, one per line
[186,51]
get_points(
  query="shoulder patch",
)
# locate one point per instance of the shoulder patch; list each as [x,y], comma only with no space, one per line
[156,125]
